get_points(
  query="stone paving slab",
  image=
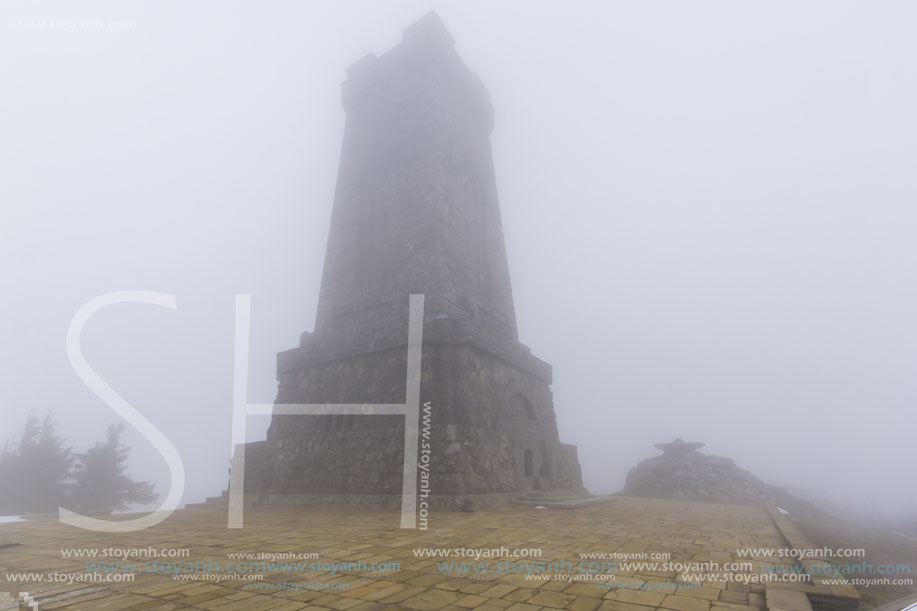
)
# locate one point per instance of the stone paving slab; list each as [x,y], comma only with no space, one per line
[688,531]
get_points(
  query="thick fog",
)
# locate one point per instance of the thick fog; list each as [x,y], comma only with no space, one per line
[708,210]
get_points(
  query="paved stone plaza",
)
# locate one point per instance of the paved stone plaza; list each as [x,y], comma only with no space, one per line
[688,530]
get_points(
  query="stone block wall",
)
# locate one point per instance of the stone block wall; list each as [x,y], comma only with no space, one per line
[469,467]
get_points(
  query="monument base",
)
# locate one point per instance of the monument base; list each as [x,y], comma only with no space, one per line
[469,468]
[439,502]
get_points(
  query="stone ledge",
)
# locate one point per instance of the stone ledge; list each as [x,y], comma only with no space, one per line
[822,596]
[898,605]
[442,502]
[319,350]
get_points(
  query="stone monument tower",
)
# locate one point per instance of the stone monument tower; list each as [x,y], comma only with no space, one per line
[415,212]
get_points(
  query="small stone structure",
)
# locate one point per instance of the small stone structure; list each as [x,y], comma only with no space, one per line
[679,447]
[682,472]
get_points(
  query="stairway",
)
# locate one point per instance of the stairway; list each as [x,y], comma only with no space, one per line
[211,501]
[568,498]
[572,498]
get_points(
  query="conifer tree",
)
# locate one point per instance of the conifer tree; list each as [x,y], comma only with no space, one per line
[100,484]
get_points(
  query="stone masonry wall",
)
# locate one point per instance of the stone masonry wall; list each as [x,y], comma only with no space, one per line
[466,462]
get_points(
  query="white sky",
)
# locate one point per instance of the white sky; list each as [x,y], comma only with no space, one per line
[708,209]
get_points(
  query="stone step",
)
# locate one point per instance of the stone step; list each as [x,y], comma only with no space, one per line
[574,503]
[551,499]
[557,495]
[210,501]
[576,492]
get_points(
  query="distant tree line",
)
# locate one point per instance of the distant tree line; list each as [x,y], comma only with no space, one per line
[40,474]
